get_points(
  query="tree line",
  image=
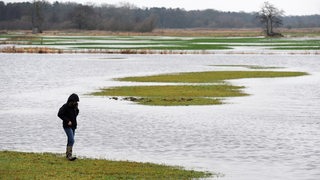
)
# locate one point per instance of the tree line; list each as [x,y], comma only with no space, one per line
[42,15]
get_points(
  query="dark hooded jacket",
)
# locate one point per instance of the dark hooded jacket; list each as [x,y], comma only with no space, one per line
[69,112]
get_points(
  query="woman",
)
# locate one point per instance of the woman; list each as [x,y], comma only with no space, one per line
[68,113]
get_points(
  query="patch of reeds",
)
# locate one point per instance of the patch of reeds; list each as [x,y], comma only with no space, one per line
[191,32]
[39,50]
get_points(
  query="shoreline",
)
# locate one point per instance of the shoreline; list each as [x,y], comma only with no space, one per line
[45,50]
[29,165]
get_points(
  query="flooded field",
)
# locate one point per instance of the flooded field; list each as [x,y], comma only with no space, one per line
[271,134]
[157,44]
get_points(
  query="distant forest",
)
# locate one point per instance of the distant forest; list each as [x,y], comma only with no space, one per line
[127,17]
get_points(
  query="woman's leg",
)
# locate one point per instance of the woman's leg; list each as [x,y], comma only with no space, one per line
[70,134]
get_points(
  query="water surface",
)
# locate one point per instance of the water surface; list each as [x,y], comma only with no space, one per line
[271,134]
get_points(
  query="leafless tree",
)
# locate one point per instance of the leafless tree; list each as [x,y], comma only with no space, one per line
[42,15]
[37,16]
[270,17]
[83,16]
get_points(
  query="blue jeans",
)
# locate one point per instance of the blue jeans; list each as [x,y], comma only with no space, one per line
[70,134]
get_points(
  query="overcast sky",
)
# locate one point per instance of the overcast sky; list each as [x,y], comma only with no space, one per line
[291,7]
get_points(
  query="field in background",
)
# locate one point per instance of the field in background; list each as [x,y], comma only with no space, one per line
[161,41]
[301,32]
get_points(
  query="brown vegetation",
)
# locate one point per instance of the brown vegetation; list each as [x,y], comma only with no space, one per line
[39,50]
[192,32]
[46,50]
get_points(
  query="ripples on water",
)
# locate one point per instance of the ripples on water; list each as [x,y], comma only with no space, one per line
[272,134]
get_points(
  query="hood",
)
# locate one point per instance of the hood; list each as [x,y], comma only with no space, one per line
[73,97]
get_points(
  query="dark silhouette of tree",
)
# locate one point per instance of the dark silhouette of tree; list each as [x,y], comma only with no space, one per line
[2,11]
[42,15]
[146,25]
[83,17]
[270,17]
[37,16]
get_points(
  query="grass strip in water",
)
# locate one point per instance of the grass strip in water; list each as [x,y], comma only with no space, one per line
[226,40]
[162,46]
[196,94]
[211,76]
[175,94]
[297,48]
[19,165]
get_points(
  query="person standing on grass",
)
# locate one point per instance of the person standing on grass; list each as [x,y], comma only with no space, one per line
[68,113]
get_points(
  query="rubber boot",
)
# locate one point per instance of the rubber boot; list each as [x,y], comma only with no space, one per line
[69,154]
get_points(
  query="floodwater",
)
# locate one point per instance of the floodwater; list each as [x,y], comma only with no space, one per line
[272,134]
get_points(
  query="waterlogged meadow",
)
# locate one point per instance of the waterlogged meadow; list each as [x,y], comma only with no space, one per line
[150,44]
[258,117]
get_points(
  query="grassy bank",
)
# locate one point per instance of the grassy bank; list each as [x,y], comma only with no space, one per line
[18,165]
[210,93]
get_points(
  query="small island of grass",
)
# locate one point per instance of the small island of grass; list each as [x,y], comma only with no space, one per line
[211,76]
[19,165]
[208,88]
[173,95]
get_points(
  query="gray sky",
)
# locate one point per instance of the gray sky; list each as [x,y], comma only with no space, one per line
[291,7]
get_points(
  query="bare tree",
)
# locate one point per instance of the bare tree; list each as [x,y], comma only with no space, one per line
[37,16]
[270,17]
[83,16]
[146,25]
[43,15]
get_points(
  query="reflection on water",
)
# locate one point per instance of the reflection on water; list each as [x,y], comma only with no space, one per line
[272,134]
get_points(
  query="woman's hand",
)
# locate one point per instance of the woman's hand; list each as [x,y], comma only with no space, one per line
[69,123]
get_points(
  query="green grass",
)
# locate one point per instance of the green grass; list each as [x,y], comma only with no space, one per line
[297,48]
[166,46]
[225,40]
[175,95]
[211,93]
[18,165]
[211,76]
